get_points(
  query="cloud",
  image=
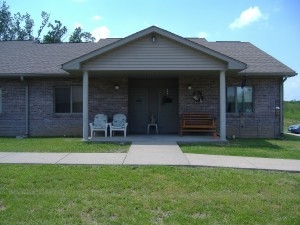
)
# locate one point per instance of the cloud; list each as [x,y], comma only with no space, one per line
[247,17]
[96,17]
[101,33]
[203,35]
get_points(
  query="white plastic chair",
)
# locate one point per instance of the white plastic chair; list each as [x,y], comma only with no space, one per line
[99,124]
[118,124]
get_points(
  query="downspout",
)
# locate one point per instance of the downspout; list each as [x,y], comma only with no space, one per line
[26,106]
[26,110]
[281,104]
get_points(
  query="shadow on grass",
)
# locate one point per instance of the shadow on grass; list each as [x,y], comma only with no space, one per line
[251,143]
[286,148]
[238,143]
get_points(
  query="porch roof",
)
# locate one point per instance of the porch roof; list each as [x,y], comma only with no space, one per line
[27,58]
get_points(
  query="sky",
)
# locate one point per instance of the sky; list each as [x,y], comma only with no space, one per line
[271,25]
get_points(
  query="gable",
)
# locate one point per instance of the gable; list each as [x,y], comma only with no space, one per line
[144,54]
[154,53]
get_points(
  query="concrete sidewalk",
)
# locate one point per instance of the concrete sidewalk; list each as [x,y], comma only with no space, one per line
[160,153]
[148,153]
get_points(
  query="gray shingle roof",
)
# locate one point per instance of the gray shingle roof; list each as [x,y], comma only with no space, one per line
[27,57]
[257,61]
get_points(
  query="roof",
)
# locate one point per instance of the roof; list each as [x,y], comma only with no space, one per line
[258,61]
[32,58]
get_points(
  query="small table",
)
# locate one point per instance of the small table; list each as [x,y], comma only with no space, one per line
[152,125]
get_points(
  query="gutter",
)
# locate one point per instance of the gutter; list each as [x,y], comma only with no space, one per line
[43,75]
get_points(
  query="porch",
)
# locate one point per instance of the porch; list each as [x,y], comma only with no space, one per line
[165,98]
[190,69]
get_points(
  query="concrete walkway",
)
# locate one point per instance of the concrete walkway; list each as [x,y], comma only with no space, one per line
[161,153]
[148,153]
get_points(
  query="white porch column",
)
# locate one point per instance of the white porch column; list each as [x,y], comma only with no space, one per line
[85,106]
[222,106]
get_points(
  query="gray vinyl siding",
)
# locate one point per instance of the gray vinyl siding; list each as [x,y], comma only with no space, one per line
[164,54]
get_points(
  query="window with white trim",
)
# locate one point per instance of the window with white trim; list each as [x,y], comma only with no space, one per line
[239,99]
[68,99]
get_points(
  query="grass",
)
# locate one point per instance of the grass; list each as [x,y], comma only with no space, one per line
[59,145]
[57,194]
[291,113]
[53,194]
[287,148]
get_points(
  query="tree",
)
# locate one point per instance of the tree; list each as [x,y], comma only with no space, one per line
[25,32]
[45,17]
[56,33]
[17,27]
[78,35]
[5,22]
[20,27]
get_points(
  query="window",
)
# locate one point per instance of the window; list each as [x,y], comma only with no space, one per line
[239,100]
[68,99]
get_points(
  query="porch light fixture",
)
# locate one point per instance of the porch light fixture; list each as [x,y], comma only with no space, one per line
[189,87]
[117,87]
[277,111]
[153,38]
[244,80]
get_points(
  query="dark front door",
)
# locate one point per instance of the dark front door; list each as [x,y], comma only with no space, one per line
[155,97]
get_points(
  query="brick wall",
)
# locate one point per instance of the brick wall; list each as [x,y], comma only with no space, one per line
[43,120]
[261,123]
[12,118]
[208,87]
[103,98]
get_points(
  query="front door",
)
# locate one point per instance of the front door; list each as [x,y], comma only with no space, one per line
[155,97]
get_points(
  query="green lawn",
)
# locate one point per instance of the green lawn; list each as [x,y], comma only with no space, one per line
[53,194]
[59,145]
[286,148]
[57,194]
[291,113]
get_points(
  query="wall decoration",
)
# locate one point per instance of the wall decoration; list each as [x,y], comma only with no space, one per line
[197,96]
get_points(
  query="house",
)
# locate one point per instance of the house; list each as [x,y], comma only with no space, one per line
[57,89]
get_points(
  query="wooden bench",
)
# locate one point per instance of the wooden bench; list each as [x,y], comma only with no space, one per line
[203,122]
